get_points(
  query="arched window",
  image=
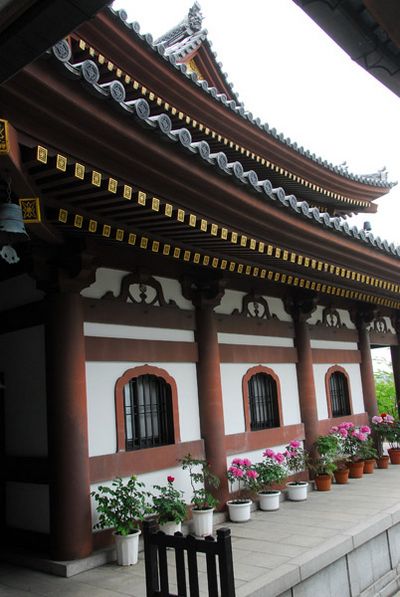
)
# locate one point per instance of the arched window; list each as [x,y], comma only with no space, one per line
[146,409]
[261,395]
[338,392]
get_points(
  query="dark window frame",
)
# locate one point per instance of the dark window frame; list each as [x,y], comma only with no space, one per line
[256,374]
[125,441]
[338,392]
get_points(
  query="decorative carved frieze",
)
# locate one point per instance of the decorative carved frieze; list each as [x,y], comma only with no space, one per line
[331,318]
[256,306]
[379,325]
[140,288]
[362,315]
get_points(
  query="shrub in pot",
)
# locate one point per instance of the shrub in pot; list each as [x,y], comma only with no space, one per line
[203,501]
[369,454]
[170,506]
[241,475]
[121,506]
[323,463]
[387,428]
[271,470]
[296,458]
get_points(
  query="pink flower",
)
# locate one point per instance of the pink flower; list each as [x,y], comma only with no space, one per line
[343,433]
[334,429]
[294,444]
[237,461]
[246,462]
[170,479]
[377,419]
[252,474]
[365,429]
[389,419]
[279,457]
[362,437]
[269,453]
[238,473]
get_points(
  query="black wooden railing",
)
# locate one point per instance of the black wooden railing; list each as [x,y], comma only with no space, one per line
[156,565]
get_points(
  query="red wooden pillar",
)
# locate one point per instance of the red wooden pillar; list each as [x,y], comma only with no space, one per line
[301,309]
[366,370]
[70,514]
[205,296]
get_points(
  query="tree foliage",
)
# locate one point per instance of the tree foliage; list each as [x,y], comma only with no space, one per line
[385,390]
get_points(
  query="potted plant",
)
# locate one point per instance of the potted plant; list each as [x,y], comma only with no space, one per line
[379,426]
[389,429]
[369,454]
[351,440]
[323,463]
[296,458]
[169,506]
[272,470]
[203,502]
[121,506]
[241,475]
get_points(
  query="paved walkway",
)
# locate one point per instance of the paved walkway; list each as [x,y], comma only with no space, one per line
[277,549]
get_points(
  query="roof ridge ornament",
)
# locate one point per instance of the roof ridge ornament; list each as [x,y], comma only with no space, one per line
[189,25]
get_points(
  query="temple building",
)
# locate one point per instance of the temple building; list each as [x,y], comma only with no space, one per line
[191,283]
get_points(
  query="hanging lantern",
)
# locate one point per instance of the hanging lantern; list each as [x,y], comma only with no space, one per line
[12,229]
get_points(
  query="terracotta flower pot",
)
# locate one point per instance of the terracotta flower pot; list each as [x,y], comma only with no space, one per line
[369,466]
[341,476]
[356,469]
[382,462]
[323,482]
[394,455]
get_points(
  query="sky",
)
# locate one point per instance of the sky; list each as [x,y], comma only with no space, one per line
[288,72]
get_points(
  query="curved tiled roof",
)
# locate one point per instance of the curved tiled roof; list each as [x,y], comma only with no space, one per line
[183,50]
[88,73]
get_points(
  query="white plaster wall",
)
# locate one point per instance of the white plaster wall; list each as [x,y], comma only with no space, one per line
[181,482]
[389,325]
[231,378]
[22,358]
[334,345]
[233,299]
[28,507]
[353,371]
[100,380]
[18,291]
[315,316]
[254,340]
[109,330]
[110,280]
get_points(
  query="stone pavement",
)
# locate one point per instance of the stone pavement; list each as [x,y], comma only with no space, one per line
[272,552]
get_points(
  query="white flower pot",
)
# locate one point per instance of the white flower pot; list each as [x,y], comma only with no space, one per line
[202,522]
[269,501]
[127,547]
[297,492]
[171,527]
[239,512]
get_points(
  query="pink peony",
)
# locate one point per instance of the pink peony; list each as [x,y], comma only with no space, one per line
[294,444]
[170,479]
[334,429]
[237,461]
[365,429]
[246,462]
[279,457]
[389,419]
[343,433]
[269,453]
[362,437]
[252,474]
[238,473]
[377,419]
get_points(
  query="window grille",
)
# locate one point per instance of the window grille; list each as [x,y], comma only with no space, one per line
[148,412]
[339,394]
[263,402]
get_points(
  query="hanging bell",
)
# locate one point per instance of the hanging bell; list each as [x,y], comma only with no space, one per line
[12,229]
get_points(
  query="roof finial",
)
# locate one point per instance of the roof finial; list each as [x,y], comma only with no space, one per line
[189,25]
